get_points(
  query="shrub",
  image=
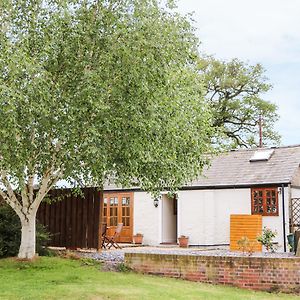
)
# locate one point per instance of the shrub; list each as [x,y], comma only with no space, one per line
[123,268]
[10,234]
[266,239]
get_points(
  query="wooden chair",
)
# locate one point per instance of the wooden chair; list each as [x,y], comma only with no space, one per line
[103,235]
[112,240]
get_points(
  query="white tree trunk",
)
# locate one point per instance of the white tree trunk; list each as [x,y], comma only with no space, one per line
[27,247]
[27,208]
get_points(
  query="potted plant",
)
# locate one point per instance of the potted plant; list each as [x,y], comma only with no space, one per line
[183,241]
[138,238]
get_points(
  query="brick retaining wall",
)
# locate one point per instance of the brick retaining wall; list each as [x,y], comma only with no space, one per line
[259,273]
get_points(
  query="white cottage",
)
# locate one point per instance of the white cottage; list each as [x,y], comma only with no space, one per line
[255,181]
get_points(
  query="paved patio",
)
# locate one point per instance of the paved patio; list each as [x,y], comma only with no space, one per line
[117,255]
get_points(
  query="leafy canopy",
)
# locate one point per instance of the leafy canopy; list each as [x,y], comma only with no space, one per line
[234,92]
[92,89]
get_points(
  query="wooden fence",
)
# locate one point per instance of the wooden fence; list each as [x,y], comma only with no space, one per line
[73,220]
[249,226]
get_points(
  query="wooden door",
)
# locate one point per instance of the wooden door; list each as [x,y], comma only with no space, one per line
[118,208]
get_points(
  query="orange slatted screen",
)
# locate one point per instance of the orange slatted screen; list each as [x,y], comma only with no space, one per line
[249,226]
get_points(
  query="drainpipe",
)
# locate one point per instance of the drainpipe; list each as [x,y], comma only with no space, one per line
[283,217]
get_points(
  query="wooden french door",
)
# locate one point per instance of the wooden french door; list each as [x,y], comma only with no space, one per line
[118,208]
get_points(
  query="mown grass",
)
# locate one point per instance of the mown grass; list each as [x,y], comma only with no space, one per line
[57,278]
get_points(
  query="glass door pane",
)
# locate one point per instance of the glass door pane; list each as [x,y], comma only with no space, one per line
[113,211]
[125,211]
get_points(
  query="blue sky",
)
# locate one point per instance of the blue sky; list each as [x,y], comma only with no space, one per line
[257,31]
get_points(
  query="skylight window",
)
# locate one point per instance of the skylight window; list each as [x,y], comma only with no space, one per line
[262,155]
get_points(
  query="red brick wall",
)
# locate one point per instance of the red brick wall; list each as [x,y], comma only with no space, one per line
[259,273]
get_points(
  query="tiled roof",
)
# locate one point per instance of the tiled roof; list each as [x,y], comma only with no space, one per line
[235,169]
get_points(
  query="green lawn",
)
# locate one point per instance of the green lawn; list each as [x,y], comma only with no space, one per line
[57,278]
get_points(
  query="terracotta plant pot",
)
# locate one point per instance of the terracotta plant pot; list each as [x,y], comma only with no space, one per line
[183,241]
[138,238]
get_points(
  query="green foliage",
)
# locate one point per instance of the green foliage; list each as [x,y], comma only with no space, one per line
[10,234]
[123,268]
[91,262]
[267,239]
[98,89]
[234,92]
[43,237]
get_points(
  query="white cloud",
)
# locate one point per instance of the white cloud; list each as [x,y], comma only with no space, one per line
[265,31]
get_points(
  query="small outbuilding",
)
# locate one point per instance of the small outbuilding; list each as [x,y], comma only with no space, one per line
[262,181]
[252,181]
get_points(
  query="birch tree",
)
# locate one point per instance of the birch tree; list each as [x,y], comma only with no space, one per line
[94,89]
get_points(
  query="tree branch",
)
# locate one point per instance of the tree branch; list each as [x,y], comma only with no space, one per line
[10,191]
[14,205]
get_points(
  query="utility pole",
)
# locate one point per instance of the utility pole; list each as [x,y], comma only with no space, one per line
[260,132]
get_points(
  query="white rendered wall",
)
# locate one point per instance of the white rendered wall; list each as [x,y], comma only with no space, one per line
[295,192]
[147,218]
[204,215]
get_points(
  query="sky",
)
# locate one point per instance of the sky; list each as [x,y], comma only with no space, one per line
[257,31]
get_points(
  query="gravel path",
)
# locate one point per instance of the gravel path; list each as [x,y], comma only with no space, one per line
[111,259]
[115,257]
[205,252]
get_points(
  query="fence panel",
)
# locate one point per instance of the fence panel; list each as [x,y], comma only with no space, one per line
[249,226]
[295,213]
[73,220]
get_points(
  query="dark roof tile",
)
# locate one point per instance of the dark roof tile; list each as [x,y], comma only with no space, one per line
[235,169]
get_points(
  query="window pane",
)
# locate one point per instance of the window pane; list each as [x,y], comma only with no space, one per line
[113,201]
[105,207]
[264,201]
[113,221]
[126,221]
[257,201]
[125,201]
